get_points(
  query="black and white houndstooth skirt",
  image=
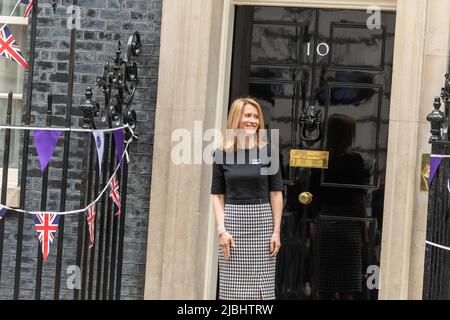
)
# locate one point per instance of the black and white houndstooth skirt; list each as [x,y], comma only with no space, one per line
[249,271]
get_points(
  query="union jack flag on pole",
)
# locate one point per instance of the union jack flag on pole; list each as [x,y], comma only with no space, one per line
[8,47]
[114,193]
[29,4]
[91,224]
[46,226]
[3,210]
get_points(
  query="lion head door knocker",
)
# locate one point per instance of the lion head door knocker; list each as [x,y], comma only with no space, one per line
[311,125]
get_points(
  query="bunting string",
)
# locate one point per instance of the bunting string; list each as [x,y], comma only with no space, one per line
[13,53]
[46,138]
[46,222]
[440,155]
[15,7]
[437,245]
[107,185]
[126,126]
[435,161]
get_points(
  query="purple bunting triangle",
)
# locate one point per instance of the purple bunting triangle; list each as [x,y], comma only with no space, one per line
[3,210]
[434,165]
[45,141]
[118,140]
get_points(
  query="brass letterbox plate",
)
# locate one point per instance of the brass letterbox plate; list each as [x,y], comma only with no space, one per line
[425,172]
[309,159]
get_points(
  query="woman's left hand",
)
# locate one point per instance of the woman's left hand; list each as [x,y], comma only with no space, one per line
[275,244]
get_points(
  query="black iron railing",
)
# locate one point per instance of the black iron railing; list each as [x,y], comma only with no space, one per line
[436,284]
[101,266]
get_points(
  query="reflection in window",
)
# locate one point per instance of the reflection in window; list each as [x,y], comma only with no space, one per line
[11,79]
[6,7]
[277,102]
[349,42]
[274,44]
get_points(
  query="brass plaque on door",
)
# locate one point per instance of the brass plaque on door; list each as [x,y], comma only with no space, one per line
[309,159]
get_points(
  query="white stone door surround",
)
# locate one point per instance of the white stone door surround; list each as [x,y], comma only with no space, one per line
[196,41]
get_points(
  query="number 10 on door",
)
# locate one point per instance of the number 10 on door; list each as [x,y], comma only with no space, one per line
[322,49]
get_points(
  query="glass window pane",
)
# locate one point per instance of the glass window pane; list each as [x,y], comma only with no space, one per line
[11,73]
[7,6]
[15,134]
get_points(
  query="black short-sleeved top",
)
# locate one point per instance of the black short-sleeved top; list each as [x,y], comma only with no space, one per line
[246,176]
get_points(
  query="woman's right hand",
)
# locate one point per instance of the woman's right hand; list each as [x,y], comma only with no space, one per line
[226,242]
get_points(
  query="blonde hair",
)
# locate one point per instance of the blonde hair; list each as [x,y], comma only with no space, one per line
[234,118]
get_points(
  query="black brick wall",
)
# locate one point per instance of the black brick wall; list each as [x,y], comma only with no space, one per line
[103,22]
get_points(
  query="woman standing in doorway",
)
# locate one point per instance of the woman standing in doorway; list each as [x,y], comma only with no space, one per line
[248,204]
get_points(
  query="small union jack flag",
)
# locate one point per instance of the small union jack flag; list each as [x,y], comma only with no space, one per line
[91,224]
[9,48]
[114,193]
[3,210]
[46,226]
[29,4]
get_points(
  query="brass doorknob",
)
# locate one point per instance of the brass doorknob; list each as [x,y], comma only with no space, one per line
[305,197]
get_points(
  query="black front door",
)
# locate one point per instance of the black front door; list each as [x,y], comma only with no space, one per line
[292,60]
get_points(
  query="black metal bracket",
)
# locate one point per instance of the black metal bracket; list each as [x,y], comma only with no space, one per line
[437,215]
[55,5]
[90,110]
[118,83]
[440,121]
